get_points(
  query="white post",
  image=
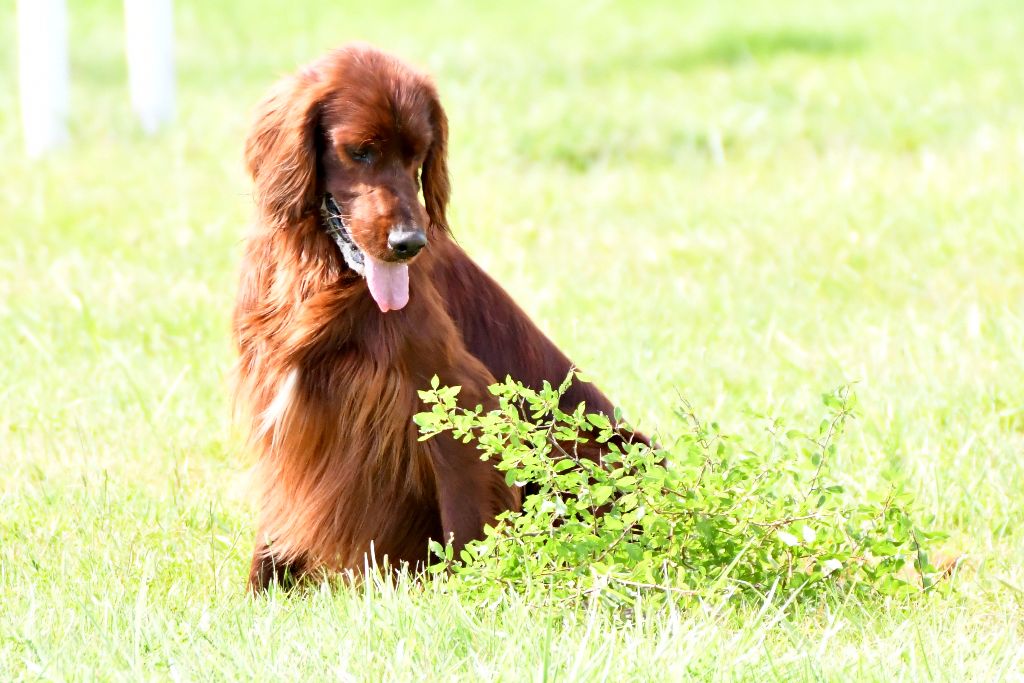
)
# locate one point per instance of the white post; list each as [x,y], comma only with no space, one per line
[149,40]
[43,73]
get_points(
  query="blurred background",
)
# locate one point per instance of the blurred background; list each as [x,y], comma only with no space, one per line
[745,203]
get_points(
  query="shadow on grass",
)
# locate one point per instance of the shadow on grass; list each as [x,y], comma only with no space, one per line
[736,47]
[597,138]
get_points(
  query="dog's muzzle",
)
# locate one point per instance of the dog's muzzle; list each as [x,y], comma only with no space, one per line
[386,281]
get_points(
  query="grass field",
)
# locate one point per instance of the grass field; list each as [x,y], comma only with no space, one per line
[747,203]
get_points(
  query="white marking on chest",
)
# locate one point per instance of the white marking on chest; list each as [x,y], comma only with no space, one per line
[271,418]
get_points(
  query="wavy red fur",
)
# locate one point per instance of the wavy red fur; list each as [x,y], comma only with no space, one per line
[327,381]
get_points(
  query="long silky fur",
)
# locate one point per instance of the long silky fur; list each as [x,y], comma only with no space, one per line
[327,384]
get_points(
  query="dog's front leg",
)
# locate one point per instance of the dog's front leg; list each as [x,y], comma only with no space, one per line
[470,492]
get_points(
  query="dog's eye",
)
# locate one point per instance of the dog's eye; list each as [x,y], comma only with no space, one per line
[360,155]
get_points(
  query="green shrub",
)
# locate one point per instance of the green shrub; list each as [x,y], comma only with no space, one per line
[702,515]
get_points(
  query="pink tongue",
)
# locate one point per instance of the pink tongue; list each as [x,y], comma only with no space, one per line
[388,282]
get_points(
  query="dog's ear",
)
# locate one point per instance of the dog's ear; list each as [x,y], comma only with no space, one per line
[281,150]
[436,188]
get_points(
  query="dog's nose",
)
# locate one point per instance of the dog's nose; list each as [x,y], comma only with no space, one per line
[406,243]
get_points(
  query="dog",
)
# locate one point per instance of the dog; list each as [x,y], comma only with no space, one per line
[352,297]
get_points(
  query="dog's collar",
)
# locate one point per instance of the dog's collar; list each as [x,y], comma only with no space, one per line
[334,223]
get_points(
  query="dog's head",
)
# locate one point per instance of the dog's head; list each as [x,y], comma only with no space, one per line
[354,136]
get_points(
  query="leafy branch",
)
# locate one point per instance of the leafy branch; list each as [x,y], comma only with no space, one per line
[706,514]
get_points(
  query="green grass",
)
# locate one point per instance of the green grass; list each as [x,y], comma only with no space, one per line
[748,203]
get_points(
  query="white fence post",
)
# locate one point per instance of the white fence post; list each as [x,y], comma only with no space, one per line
[149,40]
[43,73]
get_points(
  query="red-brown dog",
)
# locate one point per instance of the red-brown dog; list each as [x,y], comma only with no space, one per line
[352,297]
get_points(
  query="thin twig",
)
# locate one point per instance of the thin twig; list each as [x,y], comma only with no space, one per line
[824,445]
[655,586]
[783,522]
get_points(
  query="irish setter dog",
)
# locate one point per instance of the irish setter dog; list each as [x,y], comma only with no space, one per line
[353,295]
